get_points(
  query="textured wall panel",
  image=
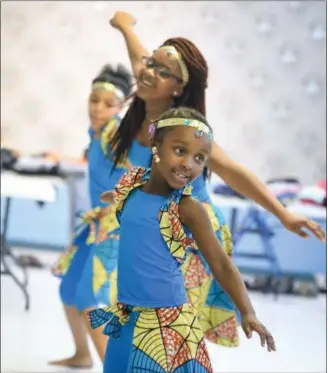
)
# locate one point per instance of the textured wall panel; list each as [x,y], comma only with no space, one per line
[267,89]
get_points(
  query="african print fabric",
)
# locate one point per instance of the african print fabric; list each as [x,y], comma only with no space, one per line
[164,340]
[216,312]
[99,236]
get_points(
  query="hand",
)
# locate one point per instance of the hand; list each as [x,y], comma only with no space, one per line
[296,224]
[122,20]
[250,323]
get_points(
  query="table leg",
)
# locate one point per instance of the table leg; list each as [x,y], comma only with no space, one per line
[5,252]
[254,224]
[233,223]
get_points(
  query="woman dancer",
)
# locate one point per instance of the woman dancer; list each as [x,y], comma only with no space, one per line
[88,278]
[153,328]
[174,75]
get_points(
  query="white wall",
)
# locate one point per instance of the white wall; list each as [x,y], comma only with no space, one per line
[267,113]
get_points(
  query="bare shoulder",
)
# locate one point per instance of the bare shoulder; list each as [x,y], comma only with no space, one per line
[192,212]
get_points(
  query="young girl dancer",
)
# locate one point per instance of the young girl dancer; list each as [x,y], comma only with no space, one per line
[174,75]
[87,268]
[153,328]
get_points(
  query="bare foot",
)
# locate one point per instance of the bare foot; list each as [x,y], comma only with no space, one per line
[74,362]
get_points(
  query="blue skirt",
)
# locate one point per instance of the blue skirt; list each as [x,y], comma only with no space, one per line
[88,271]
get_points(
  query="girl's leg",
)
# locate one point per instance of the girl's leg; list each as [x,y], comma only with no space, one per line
[82,357]
[86,301]
[68,287]
[99,269]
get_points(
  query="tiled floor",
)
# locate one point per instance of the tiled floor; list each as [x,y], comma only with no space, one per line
[30,339]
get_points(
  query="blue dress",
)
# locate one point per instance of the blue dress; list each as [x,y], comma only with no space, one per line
[88,266]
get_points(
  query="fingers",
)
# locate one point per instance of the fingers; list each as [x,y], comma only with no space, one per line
[270,342]
[248,331]
[261,332]
[265,337]
[316,229]
[301,233]
[313,227]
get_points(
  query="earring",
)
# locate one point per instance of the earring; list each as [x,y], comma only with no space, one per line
[155,154]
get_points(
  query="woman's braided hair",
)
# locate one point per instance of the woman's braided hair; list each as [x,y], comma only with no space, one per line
[193,96]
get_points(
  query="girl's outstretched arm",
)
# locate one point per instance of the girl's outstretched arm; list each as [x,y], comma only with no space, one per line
[248,184]
[196,219]
[124,22]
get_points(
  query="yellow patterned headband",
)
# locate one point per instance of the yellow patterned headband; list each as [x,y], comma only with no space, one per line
[184,70]
[201,128]
[110,88]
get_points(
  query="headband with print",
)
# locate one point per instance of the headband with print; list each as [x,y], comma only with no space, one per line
[109,87]
[172,51]
[201,128]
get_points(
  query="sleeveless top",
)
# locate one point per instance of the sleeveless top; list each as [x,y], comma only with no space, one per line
[153,244]
[102,177]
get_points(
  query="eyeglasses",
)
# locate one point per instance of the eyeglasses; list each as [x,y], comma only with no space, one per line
[160,70]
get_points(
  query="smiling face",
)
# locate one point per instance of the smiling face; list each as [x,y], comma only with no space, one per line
[103,105]
[183,155]
[160,77]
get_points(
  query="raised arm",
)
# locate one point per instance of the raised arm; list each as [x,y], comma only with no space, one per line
[195,218]
[124,22]
[248,184]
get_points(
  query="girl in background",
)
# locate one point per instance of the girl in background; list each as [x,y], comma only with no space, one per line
[87,268]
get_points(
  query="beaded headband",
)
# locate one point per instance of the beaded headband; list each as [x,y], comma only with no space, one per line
[110,88]
[184,70]
[201,128]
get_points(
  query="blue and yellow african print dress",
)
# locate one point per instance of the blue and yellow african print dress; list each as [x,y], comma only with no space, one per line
[88,266]
[164,337]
